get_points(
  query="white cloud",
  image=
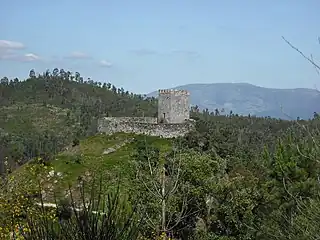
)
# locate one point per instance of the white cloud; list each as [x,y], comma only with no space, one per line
[78,55]
[9,50]
[29,57]
[104,63]
[5,44]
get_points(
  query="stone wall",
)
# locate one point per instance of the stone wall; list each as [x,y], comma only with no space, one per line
[132,119]
[147,126]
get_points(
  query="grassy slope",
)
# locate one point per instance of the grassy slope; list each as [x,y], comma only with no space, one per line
[88,157]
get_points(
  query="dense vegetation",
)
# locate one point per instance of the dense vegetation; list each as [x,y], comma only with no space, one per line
[234,177]
[43,114]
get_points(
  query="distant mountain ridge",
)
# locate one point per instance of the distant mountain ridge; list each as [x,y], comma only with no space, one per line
[245,98]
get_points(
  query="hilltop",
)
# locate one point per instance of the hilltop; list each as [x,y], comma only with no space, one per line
[245,99]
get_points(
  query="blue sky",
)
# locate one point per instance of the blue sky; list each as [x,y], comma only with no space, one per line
[143,45]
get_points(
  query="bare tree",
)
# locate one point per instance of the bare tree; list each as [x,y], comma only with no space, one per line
[160,175]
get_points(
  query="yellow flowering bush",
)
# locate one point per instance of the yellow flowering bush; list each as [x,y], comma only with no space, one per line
[22,215]
[156,236]
[17,203]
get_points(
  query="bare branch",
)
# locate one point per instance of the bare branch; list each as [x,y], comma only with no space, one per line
[317,70]
[302,54]
[151,223]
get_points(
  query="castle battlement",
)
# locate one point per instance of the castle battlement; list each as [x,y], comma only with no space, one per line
[173,91]
[172,121]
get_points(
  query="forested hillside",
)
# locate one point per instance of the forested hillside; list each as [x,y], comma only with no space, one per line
[232,178]
[42,114]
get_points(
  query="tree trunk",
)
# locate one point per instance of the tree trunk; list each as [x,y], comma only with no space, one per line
[163,202]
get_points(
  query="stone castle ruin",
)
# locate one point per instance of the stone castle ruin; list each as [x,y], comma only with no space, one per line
[173,118]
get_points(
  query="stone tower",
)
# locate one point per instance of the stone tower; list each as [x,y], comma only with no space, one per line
[173,106]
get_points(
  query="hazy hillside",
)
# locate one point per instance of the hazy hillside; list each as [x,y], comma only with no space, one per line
[244,99]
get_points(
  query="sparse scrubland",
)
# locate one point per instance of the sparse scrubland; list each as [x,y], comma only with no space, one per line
[234,177]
